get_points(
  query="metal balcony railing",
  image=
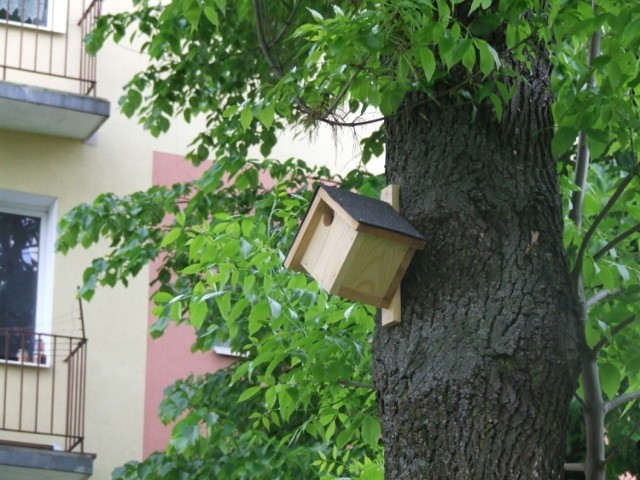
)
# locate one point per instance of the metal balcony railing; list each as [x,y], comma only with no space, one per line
[42,389]
[42,44]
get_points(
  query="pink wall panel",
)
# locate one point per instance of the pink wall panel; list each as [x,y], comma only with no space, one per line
[169,357]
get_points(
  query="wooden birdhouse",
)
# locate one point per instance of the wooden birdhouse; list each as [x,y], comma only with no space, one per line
[354,246]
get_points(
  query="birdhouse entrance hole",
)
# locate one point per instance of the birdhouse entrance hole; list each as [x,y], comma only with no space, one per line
[327,218]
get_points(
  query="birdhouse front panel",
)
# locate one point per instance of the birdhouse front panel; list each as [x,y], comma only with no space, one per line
[373,270]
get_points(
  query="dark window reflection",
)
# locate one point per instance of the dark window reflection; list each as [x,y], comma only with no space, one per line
[19,258]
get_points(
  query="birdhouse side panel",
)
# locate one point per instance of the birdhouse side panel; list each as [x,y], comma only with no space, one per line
[318,212]
[402,269]
[327,251]
[371,270]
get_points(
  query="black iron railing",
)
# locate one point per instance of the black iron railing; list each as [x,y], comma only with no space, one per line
[42,43]
[42,389]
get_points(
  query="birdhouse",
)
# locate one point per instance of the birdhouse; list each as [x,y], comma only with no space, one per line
[354,246]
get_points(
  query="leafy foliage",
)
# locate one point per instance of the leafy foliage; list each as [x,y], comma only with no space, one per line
[215,437]
[304,390]
[252,68]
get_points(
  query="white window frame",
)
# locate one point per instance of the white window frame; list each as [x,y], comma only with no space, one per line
[56,18]
[45,208]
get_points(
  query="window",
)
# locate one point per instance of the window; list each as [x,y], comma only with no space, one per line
[26,271]
[38,13]
[33,12]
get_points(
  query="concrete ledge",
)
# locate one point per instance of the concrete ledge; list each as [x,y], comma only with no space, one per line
[24,463]
[51,112]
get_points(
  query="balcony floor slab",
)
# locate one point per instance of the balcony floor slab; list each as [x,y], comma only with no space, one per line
[28,463]
[50,112]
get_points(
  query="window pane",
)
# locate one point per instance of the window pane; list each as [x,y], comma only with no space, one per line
[33,12]
[19,257]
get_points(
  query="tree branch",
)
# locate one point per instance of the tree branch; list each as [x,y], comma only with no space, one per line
[574,467]
[287,23]
[582,168]
[593,402]
[604,341]
[301,105]
[621,400]
[601,295]
[604,294]
[601,215]
[619,239]
[349,383]
[582,160]
[263,43]
[345,88]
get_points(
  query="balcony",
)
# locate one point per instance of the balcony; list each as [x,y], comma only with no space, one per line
[47,79]
[42,397]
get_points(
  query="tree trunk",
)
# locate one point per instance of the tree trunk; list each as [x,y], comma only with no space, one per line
[475,382]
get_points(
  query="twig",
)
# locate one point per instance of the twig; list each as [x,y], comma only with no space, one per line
[574,467]
[619,239]
[287,24]
[604,340]
[263,44]
[601,295]
[601,215]
[345,87]
[621,400]
[349,383]
[604,294]
[582,160]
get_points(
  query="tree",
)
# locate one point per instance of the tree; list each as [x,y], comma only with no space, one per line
[481,102]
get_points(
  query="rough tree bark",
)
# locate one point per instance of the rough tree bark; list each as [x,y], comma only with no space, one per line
[476,381]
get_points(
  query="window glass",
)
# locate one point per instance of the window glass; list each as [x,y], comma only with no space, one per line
[33,12]
[19,260]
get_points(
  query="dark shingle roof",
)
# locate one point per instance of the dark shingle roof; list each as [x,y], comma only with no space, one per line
[372,212]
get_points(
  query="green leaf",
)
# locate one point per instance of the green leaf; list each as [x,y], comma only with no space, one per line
[391,99]
[287,403]
[259,313]
[487,59]
[171,237]
[610,378]
[371,431]
[211,15]
[275,308]
[265,115]
[162,297]
[230,111]
[316,15]
[469,57]
[249,393]
[192,13]
[474,6]
[197,312]
[563,140]
[497,105]
[427,61]
[246,117]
